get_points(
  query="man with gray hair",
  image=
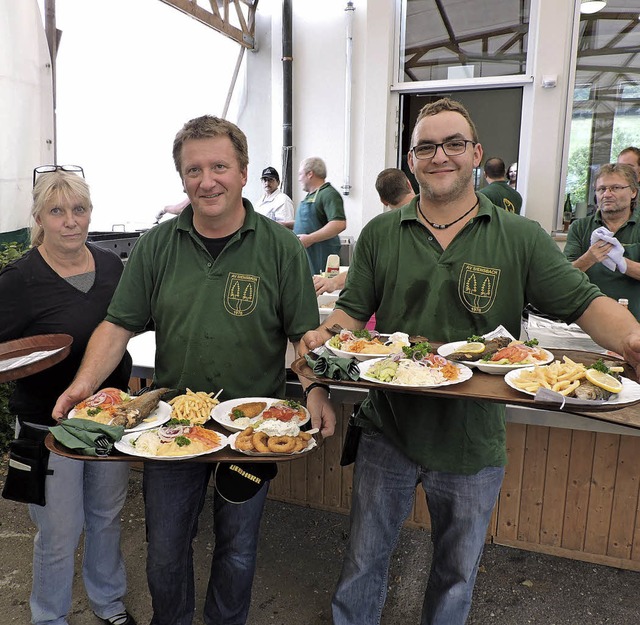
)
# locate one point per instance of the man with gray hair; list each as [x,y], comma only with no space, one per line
[606,245]
[320,217]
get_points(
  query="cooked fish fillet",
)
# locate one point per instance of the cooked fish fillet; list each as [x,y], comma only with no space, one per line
[491,347]
[587,390]
[134,412]
[250,409]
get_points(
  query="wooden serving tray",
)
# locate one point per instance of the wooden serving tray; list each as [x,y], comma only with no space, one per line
[493,388]
[29,345]
[224,455]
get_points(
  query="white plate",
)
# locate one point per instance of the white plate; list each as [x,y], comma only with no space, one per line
[220,413]
[125,446]
[464,374]
[360,357]
[159,416]
[232,443]
[486,367]
[630,390]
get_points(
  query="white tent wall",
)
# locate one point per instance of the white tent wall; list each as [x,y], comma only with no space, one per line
[26,109]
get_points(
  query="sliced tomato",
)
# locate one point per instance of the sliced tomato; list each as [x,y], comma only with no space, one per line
[280,412]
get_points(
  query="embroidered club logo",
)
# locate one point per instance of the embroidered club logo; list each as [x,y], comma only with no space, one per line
[509,206]
[477,287]
[241,294]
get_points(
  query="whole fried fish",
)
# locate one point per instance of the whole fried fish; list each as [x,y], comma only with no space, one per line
[490,348]
[134,412]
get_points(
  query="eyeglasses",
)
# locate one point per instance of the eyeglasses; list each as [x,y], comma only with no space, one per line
[454,147]
[49,169]
[614,188]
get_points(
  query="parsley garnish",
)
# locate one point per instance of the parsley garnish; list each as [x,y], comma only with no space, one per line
[417,351]
[599,365]
[476,339]
[532,343]
[182,441]
[178,422]
[362,334]
[92,412]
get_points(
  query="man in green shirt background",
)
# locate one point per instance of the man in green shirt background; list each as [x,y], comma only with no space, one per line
[320,217]
[498,189]
[606,245]
[448,265]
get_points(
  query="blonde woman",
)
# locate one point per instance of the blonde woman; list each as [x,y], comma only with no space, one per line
[64,285]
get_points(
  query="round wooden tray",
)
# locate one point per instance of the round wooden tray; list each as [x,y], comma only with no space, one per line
[29,345]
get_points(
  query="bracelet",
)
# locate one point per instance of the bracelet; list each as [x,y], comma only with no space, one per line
[316,385]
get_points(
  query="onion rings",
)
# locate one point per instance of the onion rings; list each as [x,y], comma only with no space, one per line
[281,444]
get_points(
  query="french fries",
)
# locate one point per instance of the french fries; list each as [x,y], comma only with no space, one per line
[195,407]
[562,377]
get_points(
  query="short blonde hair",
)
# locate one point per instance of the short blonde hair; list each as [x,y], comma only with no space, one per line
[52,187]
[446,104]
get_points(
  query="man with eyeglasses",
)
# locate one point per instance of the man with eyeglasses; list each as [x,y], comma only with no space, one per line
[606,245]
[448,265]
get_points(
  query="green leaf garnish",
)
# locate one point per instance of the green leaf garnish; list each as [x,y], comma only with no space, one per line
[475,338]
[92,412]
[182,441]
[599,365]
[362,334]
[532,343]
[417,351]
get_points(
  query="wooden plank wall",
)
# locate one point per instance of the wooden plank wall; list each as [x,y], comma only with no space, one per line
[568,493]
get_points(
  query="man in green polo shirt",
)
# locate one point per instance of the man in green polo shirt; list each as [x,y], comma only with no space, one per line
[606,245]
[320,217]
[226,289]
[448,265]
[498,189]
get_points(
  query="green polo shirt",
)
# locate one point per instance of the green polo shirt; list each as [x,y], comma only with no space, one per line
[611,283]
[493,267]
[501,194]
[224,323]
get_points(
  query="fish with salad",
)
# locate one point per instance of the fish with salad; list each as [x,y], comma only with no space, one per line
[500,351]
[368,342]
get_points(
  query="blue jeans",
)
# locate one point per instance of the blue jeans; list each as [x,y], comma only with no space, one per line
[80,495]
[174,495]
[460,506]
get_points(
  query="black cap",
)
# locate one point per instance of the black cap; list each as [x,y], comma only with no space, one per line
[270,172]
[238,482]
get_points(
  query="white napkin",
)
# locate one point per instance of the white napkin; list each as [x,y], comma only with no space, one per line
[615,257]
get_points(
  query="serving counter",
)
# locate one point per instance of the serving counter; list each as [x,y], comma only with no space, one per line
[571,486]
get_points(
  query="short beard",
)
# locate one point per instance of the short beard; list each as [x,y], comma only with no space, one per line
[459,190]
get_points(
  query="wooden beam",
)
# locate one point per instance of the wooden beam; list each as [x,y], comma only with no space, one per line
[245,35]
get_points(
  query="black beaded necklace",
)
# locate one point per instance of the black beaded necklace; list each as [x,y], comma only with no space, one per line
[444,226]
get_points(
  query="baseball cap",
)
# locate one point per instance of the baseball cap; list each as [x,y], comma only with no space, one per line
[270,172]
[238,482]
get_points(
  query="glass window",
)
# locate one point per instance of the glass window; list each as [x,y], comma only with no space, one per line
[605,116]
[452,39]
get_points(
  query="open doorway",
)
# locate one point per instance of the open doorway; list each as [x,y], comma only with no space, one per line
[495,112]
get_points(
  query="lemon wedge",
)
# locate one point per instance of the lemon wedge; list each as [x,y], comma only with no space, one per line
[604,380]
[471,348]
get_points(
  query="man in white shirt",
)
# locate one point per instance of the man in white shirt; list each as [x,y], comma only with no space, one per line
[275,204]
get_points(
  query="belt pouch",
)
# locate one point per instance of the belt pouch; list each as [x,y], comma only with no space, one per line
[28,460]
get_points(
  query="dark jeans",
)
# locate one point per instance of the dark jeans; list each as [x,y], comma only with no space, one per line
[174,495]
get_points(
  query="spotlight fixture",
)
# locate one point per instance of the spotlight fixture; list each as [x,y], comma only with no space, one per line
[592,6]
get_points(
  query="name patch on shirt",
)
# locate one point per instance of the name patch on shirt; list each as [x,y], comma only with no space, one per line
[477,287]
[241,294]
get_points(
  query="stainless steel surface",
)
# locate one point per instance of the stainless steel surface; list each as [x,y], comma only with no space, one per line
[347,244]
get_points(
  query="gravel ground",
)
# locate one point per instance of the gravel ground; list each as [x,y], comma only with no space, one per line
[299,561]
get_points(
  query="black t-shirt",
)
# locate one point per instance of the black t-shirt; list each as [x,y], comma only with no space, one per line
[34,299]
